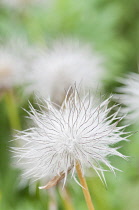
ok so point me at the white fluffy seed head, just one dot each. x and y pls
(78, 131)
(11, 69)
(15, 59)
(128, 95)
(66, 62)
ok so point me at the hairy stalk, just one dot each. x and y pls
(12, 110)
(84, 187)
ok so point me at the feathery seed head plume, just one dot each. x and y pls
(15, 59)
(66, 62)
(79, 131)
(11, 69)
(128, 95)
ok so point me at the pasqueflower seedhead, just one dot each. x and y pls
(79, 131)
(11, 69)
(15, 59)
(66, 62)
(128, 95)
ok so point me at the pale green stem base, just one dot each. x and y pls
(67, 203)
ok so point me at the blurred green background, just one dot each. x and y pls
(112, 28)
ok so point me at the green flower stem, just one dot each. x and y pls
(12, 110)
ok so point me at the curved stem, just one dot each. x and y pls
(84, 187)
